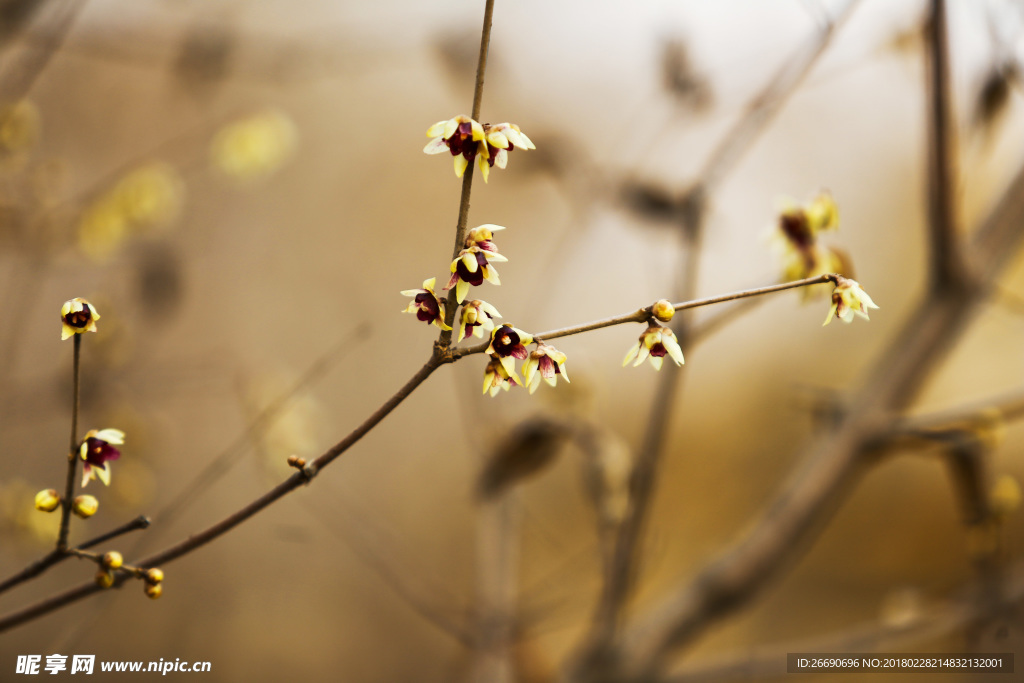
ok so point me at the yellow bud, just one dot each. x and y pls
(154, 590)
(663, 310)
(104, 579)
(47, 500)
(85, 506)
(154, 576)
(112, 560)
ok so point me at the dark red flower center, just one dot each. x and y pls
(658, 350)
(794, 226)
(476, 278)
(79, 318)
(461, 142)
(98, 452)
(428, 308)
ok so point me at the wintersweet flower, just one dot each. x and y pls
(501, 139)
(848, 299)
(797, 239)
(96, 450)
(482, 236)
(656, 342)
(507, 344)
(77, 316)
(545, 363)
(496, 377)
(472, 267)
(462, 137)
(477, 317)
(426, 305)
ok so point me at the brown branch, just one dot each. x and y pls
(946, 267)
(69, 481)
(56, 556)
(931, 624)
(832, 463)
(200, 539)
(643, 314)
(445, 337)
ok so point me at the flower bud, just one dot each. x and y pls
(85, 506)
(663, 310)
(296, 462)
(154, 590)
(154, 576)
(112, 560)
(104, 579)
(47, 500)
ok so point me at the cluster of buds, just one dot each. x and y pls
(112, 561)
(466, 140)
(796, 237)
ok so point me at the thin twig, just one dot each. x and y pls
(69, 483)
(643, 314)
(445, 337)
(56, 556)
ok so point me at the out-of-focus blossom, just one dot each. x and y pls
(254, 147)
(472, 267)
(19, 126)
(477, 317)
(545, 363)
(147, 197)
(796, 238)
(463, 138)
(97, 449)
(497, 377)
(848, 299)
(426, 305)
(655, 343)
(77, 316)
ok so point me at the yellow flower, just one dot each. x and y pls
(497, 377)
(472, 267)
(507, 344)
(501, 139)
(545, 363)
(796, 238)
(477, 317)
(462, 137)
(655, 343)
(96, 449)
(77, 316)
(426, 305)
(848, 299)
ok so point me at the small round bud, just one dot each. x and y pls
(154, 590)
(296, 462)
(85, 506)
(112, 559)
(154, 576)
(663, 310)
(104, 579)
(47, 500)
